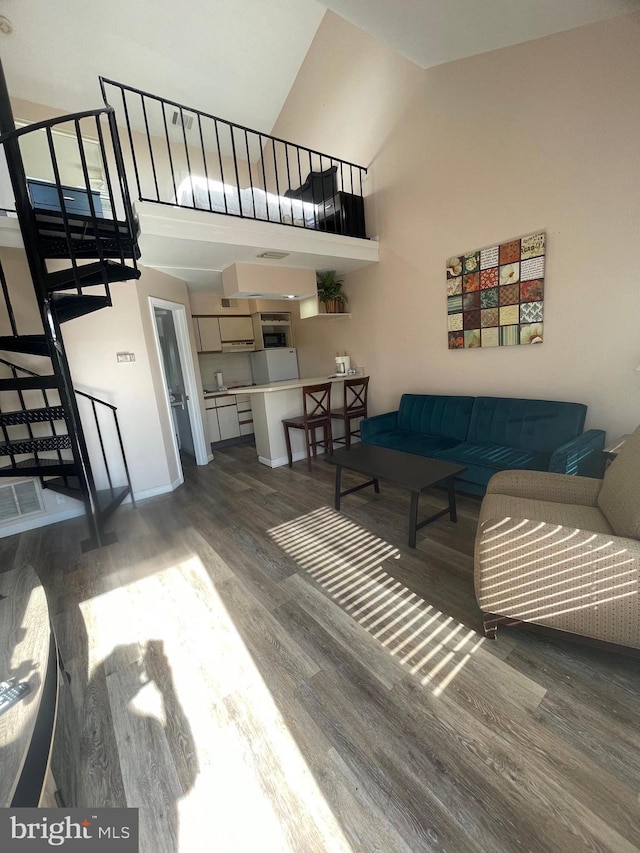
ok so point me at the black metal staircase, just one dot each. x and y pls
(97, 233)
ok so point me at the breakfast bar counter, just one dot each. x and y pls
(274, 402)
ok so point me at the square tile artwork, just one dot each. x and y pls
(495, 296)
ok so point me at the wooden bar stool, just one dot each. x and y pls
(355, 406)
(316, 407)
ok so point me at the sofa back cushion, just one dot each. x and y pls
(619, 497)
(539, 425)
(435, 415)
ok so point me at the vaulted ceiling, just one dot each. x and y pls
(239, 58)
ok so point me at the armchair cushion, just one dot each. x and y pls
(569, 516)
(573, 580)
(542, 486)
(619, 498)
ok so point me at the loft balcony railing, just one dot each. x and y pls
(187, 158)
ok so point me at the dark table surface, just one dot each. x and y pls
(404, 469)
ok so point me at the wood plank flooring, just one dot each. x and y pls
(255, 671)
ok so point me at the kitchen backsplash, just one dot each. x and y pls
(235, 368)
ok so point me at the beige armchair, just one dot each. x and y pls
(563, 552)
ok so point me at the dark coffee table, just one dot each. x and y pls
(406, 470)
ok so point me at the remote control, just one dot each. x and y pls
(12, 695)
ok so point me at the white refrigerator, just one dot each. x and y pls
(274, 365)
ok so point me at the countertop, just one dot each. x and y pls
(224, 392)
(291, 384)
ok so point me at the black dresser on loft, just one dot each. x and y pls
(343, 213)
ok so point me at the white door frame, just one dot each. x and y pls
(181, 324)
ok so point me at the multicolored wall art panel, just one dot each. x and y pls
(495, 296)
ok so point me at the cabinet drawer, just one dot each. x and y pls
(246, 428)
(221, 402)
(76, 200)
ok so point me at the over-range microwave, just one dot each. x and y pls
(238, 346)
(274, 339)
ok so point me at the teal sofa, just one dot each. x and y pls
(490, 434)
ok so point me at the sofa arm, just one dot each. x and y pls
(582, 455)
(545, 486)
(572, 580)
(370, 427)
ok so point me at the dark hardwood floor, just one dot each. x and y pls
(255, 671)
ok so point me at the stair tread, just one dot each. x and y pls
(99, 272)
(29, 382)
(31, 344)
(36, 414)
(31, 468)
(15, 442)
(71, 305)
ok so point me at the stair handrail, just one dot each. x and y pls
(94, 400)
(50, 122)
(114, 411)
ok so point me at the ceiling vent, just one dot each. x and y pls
(18, 499)
(182, 119)
(229, 303)
(274, 256)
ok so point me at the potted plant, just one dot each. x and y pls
(330, 292)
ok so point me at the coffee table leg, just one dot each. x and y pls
(337, 492)
(451, 488)
(413, 518)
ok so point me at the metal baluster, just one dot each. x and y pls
(112, 200)
(124, 458)
(104, 455)
(186, 153)
(92, 208)
(253, 198)
(224, 192)
(63, 209)
(166, 133)
(151, 157)
(235, 164)
(204, 162)
(131, 145)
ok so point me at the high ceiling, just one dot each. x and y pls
(238, 58)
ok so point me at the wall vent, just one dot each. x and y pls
(229, 303)
(19, 499)
(182, 119)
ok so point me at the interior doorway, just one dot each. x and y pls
(176, 361)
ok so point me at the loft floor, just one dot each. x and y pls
(252, 668)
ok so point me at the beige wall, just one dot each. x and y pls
(92, 343)
(162, 286)
(539, 136)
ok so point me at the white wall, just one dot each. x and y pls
(538, 136)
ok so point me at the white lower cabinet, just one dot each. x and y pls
(228, 422)
(212, 421)
(229, 417)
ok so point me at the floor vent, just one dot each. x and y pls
(19, 499)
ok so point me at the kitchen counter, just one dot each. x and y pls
(274, 402)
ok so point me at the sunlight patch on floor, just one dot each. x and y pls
(347, 562)
(181, 677)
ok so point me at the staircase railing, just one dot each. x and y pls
(46, 404)
(80, 206)
(184, 157)
(114, 411)
(95, 401)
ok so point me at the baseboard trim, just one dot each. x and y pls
(40, 521)
(158, 490)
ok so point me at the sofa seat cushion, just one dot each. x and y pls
(495, 457)
(413, 442)
(575, 516)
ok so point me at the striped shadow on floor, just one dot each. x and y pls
(347, 563)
